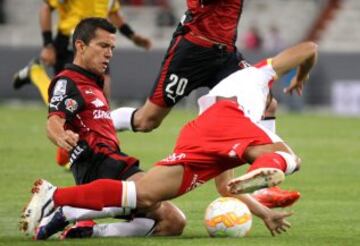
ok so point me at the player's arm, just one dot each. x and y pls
(47, 54)
(303, 57)
(117, 20)
(65, 103)
(275, 221)
(56, 132)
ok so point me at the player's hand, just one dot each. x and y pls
(48, 55)
(68, 140)
(141, 41)
(296, 85)
(276, 222)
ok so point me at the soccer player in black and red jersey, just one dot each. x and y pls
(79, 121)
(201, 53)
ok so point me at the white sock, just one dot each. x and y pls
(121, 118)
(74, 214)
(290, 162)
(269, 124)
(128, 198)
(133, 228)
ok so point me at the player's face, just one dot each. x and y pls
(98, 52)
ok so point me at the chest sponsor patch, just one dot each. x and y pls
(71, 105)
(101, 114)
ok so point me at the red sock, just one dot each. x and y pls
(95, 195)
(62, 156)
(269, 160)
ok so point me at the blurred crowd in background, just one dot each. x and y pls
(266, 27)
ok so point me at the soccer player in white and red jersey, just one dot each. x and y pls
(201, 54)
(225, 135)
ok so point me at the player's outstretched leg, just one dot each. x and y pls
(255, 180)
(41, 204)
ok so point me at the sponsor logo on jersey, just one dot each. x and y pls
(71, 105)
(89, 92)
(232, 153)
(101, 114)
(55, 99)
(54, 105)
(60, 87)
(98, 103)
(195, 183)
(174, 157)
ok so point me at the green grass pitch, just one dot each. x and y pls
(327, 214)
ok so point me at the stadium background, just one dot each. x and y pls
(327, 214)
(333, 24)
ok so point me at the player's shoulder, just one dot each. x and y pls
(62, 85)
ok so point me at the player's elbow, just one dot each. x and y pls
(311, 47)
(148, 125)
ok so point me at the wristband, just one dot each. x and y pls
(47, 38)
(126, 30)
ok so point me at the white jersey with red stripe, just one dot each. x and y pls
(250, 86)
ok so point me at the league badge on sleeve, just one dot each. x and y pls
(60, 87)
(71, 105)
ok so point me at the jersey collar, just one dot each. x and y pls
(98, 79)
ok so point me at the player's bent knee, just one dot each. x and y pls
(173, 223)
(292, 162)
(175, 227)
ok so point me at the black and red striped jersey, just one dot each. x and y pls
(77, 95)
(216, 20)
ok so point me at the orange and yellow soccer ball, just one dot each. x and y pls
(227, 217)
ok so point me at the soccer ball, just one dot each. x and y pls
(227, 217)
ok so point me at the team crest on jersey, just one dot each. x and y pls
(71, 105)
(60, 87)
(98, 103)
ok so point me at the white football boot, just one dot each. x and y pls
(41, 204)
(255, 180)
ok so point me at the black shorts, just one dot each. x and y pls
(188, 66)
(64, 54)
(118, 166)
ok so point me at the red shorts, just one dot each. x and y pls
(213, 143)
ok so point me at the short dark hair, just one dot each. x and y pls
(85, 30)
